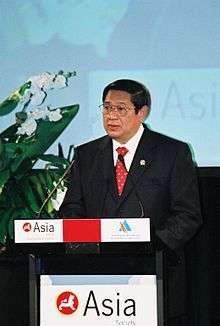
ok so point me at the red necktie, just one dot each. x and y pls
(120, 169)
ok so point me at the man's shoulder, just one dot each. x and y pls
(93, 144)
(161, 139)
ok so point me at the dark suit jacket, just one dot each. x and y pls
(164, 188)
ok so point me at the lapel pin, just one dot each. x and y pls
(142, 162)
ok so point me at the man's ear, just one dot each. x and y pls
(144, 111)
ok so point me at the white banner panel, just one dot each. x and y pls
(37, 231)
(132, 304)
(125, 230)
(82, 230)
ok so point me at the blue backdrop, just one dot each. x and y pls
(172, 46)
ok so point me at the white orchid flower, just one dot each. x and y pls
(59, 82)
(34, 96)
(38, 114)
(37, 97)
(54, 115)
(43, 81)
(40, 84)
(28, 127)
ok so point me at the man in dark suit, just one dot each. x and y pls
(157, 179)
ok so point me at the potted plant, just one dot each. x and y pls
(26, 192)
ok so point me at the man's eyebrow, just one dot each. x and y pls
(119, 102)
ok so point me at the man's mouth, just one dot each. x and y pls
(113, 127)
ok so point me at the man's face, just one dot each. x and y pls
(122, 128)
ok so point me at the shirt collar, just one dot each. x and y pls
(133, 141)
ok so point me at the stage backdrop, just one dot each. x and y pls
(171, 46)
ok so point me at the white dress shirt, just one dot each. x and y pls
(131, 145)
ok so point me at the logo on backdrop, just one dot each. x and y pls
(125, 227)
(67, 303)
(27, 227)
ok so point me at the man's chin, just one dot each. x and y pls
(114, 135)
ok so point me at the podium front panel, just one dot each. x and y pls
(110, 300)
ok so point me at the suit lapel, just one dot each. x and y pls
(108, 169)
(103, 170)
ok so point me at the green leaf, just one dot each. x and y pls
(10, 133)
(31, 199)
(8, 105)
(40, 175)
(49, 180)
(4, 218)
(4, 176)
(3, 156)
(60, 150)
(70, 153)
(55, 160)
(49, 207)
(13, 100)
(17, 160)
(38, 188)
(21, 167)
(21, 116)
(46, 133)
(1, 147)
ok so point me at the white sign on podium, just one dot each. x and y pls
(110, 300)
(82, 230)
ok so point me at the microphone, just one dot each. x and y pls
(106, 193)
(138, 197)
(134, 247)
(39, 213)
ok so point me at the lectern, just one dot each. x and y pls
(92, 271)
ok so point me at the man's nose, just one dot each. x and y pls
(113, 114)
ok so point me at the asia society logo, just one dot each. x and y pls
(95, 305)
(27, 227)
(125, 227)
(67, 303)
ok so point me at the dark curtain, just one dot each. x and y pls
(203, 258)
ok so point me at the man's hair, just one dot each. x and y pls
(140, 95)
